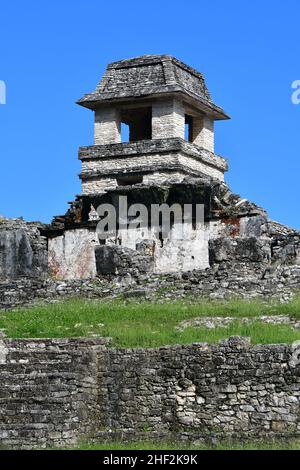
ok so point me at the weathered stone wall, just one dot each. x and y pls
(240, 267)
(182, 249)
(118, 260)
(47, 391)
(163, 176)
(72, 255)
(203, 167)
(160, 176)
(103, 163)
(56, 392)
(167, 119)
(107, 129)
(95, 170)
(226, 390)
(96, 185)
(23, 251)
(203, 133)
(237, 250)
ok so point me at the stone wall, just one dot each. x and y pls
(47, 391)
(101, 163)
(203, 133)
(226, 278)
(23, 251)
(56, 392)
(182, 249)
(167, 119)
(107, 129)
(72, 255)
(200, 391)
(118, 260)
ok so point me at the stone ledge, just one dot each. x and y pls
(153, 146)
(92, 100)
(140, 170)
(37, 343)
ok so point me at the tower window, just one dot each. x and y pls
(188, 129)
(139, 123)
(124, 132)
(129, 180)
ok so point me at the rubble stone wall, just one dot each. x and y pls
(96, 185)
(47, 391)
(240, 267)
(201, 391)
(56, 392)
(23, 251)
(111, 259)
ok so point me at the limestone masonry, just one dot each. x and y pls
(59, 391)
(170, 117)
(166, 158)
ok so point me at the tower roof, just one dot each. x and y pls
(152, 76)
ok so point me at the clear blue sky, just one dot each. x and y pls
(51, 53)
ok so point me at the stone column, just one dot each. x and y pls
(168, 119)
(107, 126)
(203, 132)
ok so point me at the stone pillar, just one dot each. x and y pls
(203, 132)
(107, 126)
(168, 119)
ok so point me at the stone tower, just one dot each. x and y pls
(166, 158)
(170, 116)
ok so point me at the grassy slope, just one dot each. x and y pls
(133, 324)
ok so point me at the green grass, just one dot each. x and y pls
(147, 324)
(270, 445)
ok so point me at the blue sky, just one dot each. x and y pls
(51, 53)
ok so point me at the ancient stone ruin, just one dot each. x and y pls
(58, 391)
(167, 158)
